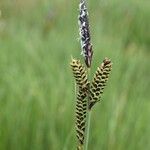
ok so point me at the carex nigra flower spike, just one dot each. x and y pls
(84, 31)
(85, 90)
(80, 76)
(88, 92)
(99, 81)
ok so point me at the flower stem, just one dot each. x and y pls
(88, 118)
(87, 129)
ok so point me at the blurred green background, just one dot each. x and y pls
(37, 105)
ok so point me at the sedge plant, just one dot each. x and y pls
(88, 92)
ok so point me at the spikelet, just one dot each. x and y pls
(80, 75)
(80, 147)
(99, 81)
(81, 108)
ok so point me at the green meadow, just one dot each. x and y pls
(37, 101)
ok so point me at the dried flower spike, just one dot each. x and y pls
(99, 81)
(84, 31)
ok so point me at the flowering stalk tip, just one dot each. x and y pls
(84, 32)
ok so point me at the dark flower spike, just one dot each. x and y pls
(84, 31)
(99, 81)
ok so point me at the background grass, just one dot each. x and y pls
(37, 39)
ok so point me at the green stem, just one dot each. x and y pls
(87, 129)
(88, 119)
